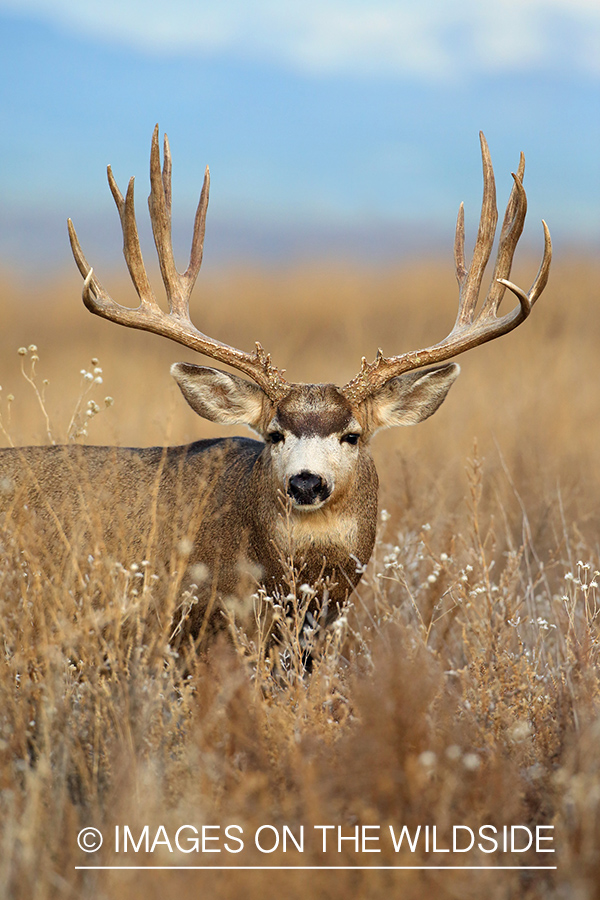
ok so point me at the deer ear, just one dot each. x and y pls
(412, 397)
(219, 396)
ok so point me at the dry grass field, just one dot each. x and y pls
(461, 688)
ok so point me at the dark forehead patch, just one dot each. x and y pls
(314, 409)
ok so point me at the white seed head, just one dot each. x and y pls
(453, 752)
(185, 546)
(427, 759)
(520, 731)
(471, 761)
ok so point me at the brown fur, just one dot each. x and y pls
(219, 510)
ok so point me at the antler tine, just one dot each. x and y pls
(191, 273)
(166, 173)
(131, 241)
(197, 250)
(470, 280)
(86, 271)
(471, 329)
(176, 324)
(95, 297)
(178, 286)
(160, 216)
(512, 229)
(541, 279)
(459, 247)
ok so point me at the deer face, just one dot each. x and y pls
(314, 439)
(314, 436)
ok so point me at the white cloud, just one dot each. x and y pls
(429, 38)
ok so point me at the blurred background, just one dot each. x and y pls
(333, 128)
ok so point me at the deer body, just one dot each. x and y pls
(216, 507)
(231, 511)
(234, 512)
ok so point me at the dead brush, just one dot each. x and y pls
(293, 650)
(85, 408)
(98, 724)
(463, 689)
(87, 676)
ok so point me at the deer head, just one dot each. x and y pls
(314, 434)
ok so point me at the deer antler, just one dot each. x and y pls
(176, 324)
(471, 329)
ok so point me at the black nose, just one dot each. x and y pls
(307, 488)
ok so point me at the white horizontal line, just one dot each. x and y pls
(315, 868)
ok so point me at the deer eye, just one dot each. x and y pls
(351, 438)
(276, 437)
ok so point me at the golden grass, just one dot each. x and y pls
(461, 688)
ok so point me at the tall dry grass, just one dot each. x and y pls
(461, 686)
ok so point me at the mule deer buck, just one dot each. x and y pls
(308, 488)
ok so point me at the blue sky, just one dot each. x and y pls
(330, 126)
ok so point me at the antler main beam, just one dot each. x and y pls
(149, 316)
(471, 328)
